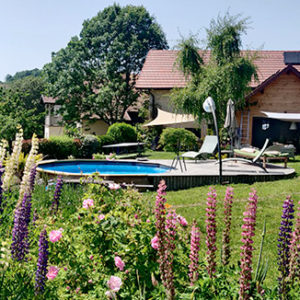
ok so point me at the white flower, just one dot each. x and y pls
(12, 164)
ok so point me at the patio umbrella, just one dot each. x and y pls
(230, 121)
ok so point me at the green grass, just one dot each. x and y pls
(150, 154)
(191, 204)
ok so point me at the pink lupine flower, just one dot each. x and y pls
(227, 222)
(182, 221)
(171, 222)
(114, 186)
(154, 243)
(194, 255)
(101, 217)
(165, 232)
(52, 272)
(114, 283)
(247, 248)
(119, 263)
(88, 203)
(55, 235)
(211, 231)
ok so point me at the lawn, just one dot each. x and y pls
(191, 203)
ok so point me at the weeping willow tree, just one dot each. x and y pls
(226, 75)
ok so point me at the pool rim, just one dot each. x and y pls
(43, 162)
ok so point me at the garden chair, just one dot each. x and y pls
(208, 147)
(256, 156)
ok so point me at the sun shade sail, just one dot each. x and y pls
(167, 118)
(290, 117)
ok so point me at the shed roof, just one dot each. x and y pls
(159, 70)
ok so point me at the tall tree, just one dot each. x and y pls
(226, 75)
(20, 103)
(96, 72)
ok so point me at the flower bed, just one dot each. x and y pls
(103, 241)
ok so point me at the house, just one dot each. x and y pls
(93, 125)
(277, 91)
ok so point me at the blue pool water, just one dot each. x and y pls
(104, 167)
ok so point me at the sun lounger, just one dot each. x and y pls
(208, 147)
(256, 156)
(265, 156)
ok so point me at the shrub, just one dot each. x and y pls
(173, 138)
(59, 147)
(105, 140)
(90, 144)
(99, 156)
(122, 133)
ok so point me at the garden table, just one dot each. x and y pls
(124, 146)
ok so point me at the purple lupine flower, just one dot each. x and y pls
(32, 178)
(211, 231)
(42, 263)
(34, 217)
(227, 224)
(171, 221)
(19, 246)
(284, 241)
(1, 190)
(194, 255)
(57, 193)
(295, 250)
(247, 248)
(160, 215)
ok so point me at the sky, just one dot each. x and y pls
(32, 29)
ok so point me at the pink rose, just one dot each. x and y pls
(88, 203)
(101, 217)
(91, 257)
(154, 243)
(119, 263)
(148, 220)
(55, 235)
(114, 186)
(114, 283)
(182, 220)
(52, 272)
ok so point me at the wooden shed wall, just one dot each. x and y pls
(282, 95)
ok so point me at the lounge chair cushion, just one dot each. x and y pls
(191, 154)
(253, 154)
(249, 150)
(240, 152)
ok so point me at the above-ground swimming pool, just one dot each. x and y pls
(82, 167)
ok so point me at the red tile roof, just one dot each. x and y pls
(47, 99)
(159, 71)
